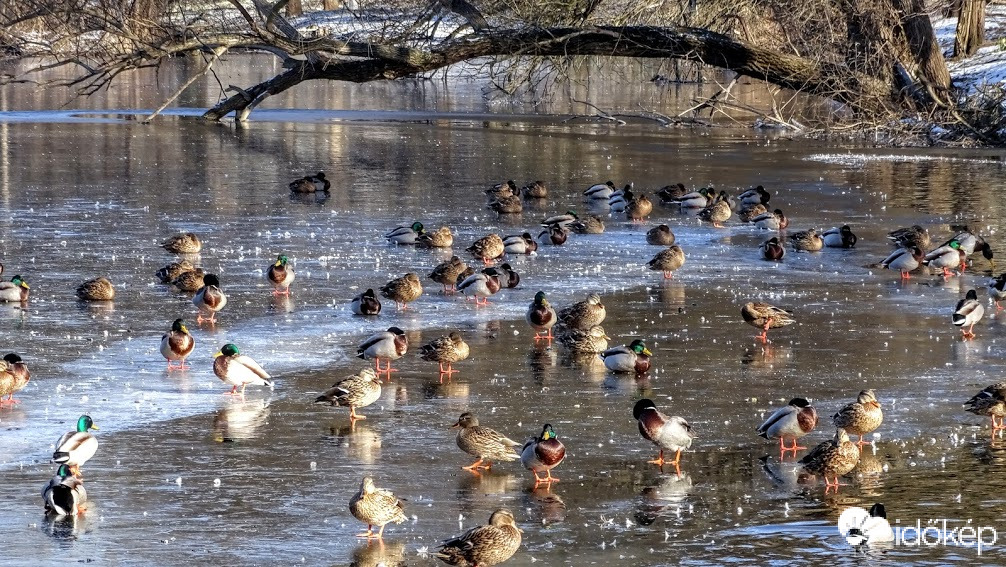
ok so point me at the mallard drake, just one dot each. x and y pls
(997, 290)
(639, 208)
(904, 260)
(486, 545)
(185, 243)
(946, 257)
(590, 224)
(914, 235)
(699, 199)
(357, 391)
(794, 421)
(584, 314)
(311, 183)
(16, 290)
(967, 312)
(748, 213)
(237, 369)
(389, 345)
(632, 358)
(591, 341)
(487, 248)
(970, 242)
(406, 235)
(439, 238)
(535, 190)
(14, 376)
(599, 192)
(542, 454)
(464, 275)
(667, 261)
(450, 349)
(519, 244)
(776, 220)
(563, 220)
(861, 416)
(839, 237)
(191, 280)
(765, 316)
(504, 189)
(672, 192)
(177, 344)
(807, 240)
(76, 447)
(403, 290)
(660, 235)
(718, 212)
(618, 202)
(772, 250)
(509, 278)
(281, 275)
(508, 204)
(366, 303)
(835, 457)
(991, 402)
(98, 289)
(541, 317)
(446, 273)
(554, 235)
(668, 433)
(209, 299)
(168, 273)
(375, 507)
(860, 527)
(484, 443)
(481, 285)
(755, 196)
(65, 494)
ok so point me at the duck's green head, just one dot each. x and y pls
(547, 432)
(539, 299)
(64, 471)
(16, 280)
(281, 261)
(179, 326)
(955, 244)
(229, 349)
(572, 214)
(84, 423)
(639, 347)
(418, 227)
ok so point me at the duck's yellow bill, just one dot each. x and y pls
(218, 353)
(93, 426)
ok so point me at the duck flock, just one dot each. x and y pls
(576, 328)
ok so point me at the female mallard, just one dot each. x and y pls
(667, 261)
(355, 392)
(209, 299)
(791, 422)
(772, 250)
(997, 290)
(541, 317)
(65, 494)
(509, 278)
(717, 213)
(75, 448)
(699, 199)
(508, 204)
(835, 458)
(660, 235)
(98, 289)
(177, 344)
(388, 345)
(439, 238)
(776, 220)
(554, 235)
(535, 190)
(672, 192)
(968, 312)
(168, 273)
(311, 183)
(765, 316)
(591, 341)
(590, 224)
(755, 196)
(481, 285)
(483, 546)
(584, 314)
(16, 290)
(904, 260)
(375, 507)
(403, 290)
(632, 358)
(840, 237)
(487, 248)
(504, 189)
(281, 275)
(914, 235)
(237, 369)
(970, 242)
(187, 243)
(861, 416)
(542, 454)
(405, 234)
(748, 213)
(446, 273)
(450, 349)
(668, 433)
(946, 257)
(191, 280)
(484, 443)
(807, 240)
(991, 402)
(14, 376)
(519, 244)
(639, 208)
(600, 191)
(563, 220)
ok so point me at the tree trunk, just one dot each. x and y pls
(294, 9)
(331, 4)
(970, 27)
(930, 68)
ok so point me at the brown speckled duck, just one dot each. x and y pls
(446, 273)
(667, 261)
(168, 273)
(483, 546)
(403, 290)
(991, 402)
(486, 444)
(660, 235)
(439, 238)
(191, 280)
(357, 391)
(450, 349)
(186, 243)
(861, 416)
(584, 314)
(14, 376)
(375, 507)
(98, 289)
(835, 458)
(487, 248)
(807, 240)
(765, 316)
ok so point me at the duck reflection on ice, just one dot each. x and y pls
(666, 495)
(379, 553)
(239, 420)
(360, 441)
(545, 506)
(66, 528)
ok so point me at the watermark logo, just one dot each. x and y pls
(861, 527)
